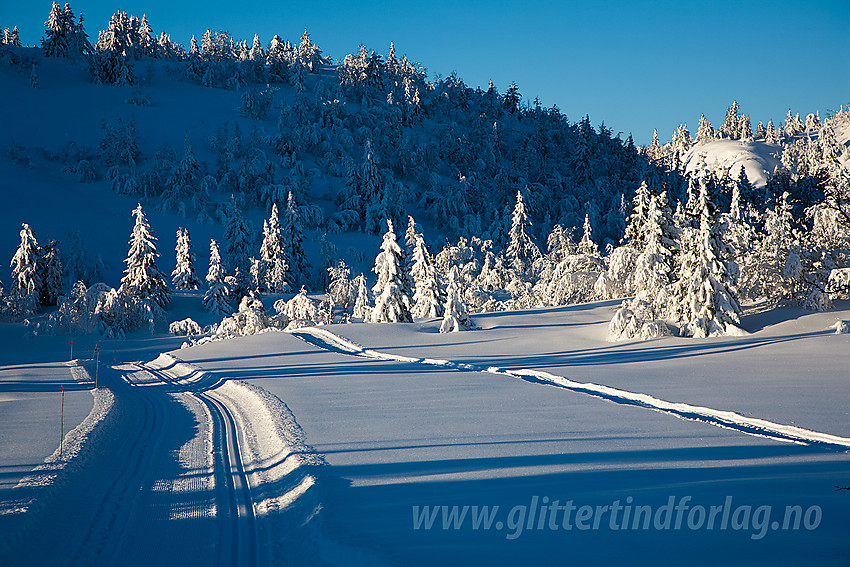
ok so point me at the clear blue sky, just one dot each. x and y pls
(635, 64)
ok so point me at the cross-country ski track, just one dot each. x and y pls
(327, 340)
(167, 469)
(200, 461)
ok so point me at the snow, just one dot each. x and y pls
(315, 445)
(413, 418)
(343, 429)
(758, 158)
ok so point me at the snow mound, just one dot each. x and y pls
(841, 327)
(759, 159)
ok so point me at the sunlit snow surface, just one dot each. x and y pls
(403, 434)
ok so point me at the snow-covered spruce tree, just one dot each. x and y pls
(392, 305)
(273, 265)
(521, 252)
(586, 245)
(371, 188)
(362, 309)
(293, 241)
(705, 131)
(731, 125)
(410, 237)
(109, 67)
(59, 37)
(559, 244)
(216, 299)
(183, 277)
(704, 297)
(142, 278)
(428, 297)
(771, 266)
(309, 54)
(642, 316)
(50, 271)
(26, 288)
(340, 289)
(637, 220)
(238, 245)
(455, 317)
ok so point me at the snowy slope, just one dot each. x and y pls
(77, 111)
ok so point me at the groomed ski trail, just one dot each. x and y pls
(238, 539)
(324, 339)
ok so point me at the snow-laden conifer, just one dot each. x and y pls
(586, 245)
(142, 278)
(705, 297)
(51, 273)
(24, 294)
(362, 309)
(559, 244)
(521, 252)
(273, 264)
(643, 316)
(293, 239)
(183, 277)
(216, 299)
(341, 291)
(238, 247)
(455, 317)
(392, 305)
(428, 297)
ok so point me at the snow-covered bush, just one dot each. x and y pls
(185, 328)
(636, 319)
(300, 309)
(250, 319)
(102, 309)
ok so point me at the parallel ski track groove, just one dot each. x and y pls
(233, 489)
(118, 502)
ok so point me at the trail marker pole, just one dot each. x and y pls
(96, 364)
(62, 423)
(72, 350)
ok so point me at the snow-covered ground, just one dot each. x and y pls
(326, 445)
(402, 435)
